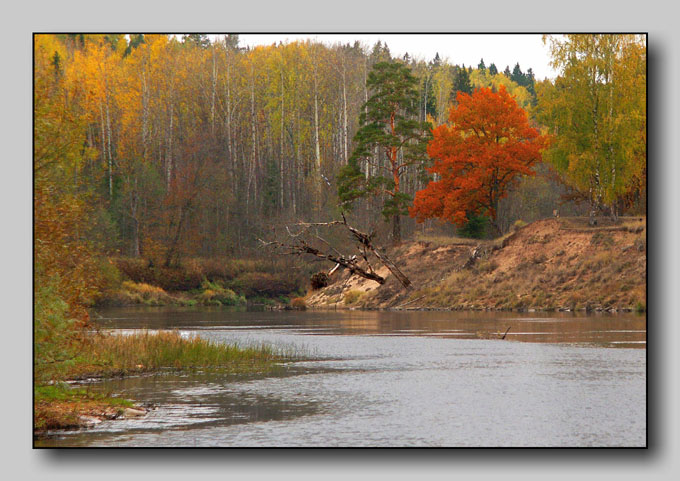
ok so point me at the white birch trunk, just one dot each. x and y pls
(281, 177)
(345, 133)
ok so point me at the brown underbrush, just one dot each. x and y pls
(185, 284)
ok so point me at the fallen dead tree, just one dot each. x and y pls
(300, 243)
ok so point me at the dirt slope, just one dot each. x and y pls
(549, 264)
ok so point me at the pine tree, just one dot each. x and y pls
(200, 40)
(389, 123)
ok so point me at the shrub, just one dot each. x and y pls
(519, 223)
(475, 227)
(252, 284)
(216, 295)
(539, 259)
(319, 280)
(351, 297)
(487, 266)
(298, 303)
(56, 338)
(600, 238)
(250, 277)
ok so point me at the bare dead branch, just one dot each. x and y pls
(300, 246)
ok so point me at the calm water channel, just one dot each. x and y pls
(393, 379)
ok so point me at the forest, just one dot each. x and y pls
(183, 147)
(156, 150)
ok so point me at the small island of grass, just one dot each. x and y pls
(99, 355)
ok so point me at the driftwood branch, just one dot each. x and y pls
(349, 263)
(409, 302)
(300, 246)
(330, 273)
(365, 240)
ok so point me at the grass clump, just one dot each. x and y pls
(602, 239)
(519, 223)
(352, 297)
(133, 293)
(213, 294)
(143, 293)
(146, 351)
(298, 303)
(59, 406)
(63, 350)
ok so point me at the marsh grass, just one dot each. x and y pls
(110, 355)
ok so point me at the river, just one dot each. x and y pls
(392, 379)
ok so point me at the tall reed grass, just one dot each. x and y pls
(110, 354)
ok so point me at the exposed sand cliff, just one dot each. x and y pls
(549, 264)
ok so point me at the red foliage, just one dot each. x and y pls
(488, 143)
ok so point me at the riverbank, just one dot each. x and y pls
(203, 282)
(57, 405)
(552, 264)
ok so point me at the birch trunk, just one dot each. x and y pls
(214, 86)
(145, 117)
(281, 178)
(317, 149)
(345, 133)
(168, 154)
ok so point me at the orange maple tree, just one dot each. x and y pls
(486, 145)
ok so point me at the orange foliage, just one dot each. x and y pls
(488, 143)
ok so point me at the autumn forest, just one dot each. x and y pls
(164, 163)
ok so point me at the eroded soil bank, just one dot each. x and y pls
(551, 264)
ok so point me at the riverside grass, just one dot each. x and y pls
(144, 351)
(59, 406)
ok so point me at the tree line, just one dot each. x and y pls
(186, 146)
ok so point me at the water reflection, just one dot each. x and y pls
(622, 330)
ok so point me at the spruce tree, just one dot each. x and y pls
(517, 75)
(461, 83)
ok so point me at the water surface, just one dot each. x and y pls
(392, 379)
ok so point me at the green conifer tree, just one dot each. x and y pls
(389, 124)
